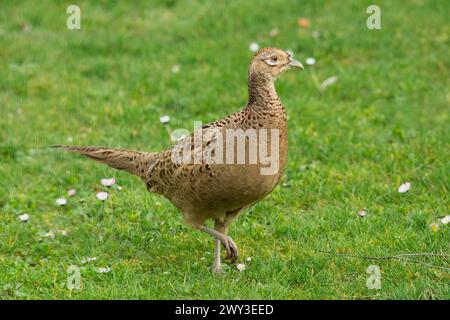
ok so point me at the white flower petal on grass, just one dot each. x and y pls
(88, 259)
(102, 196)
(248, 259)
(119, 188)
(164, 119)
(61, 201)
(240, 267)
(108, 182)
(310, 61)
(404, 187)
(445, 219)
(103, 270)
(328, 82)
(24, 217)
(71, 192)
(253, 47)
(434, 227)
(362, 213)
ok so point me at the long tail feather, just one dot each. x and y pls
(134, 162)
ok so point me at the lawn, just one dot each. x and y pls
(384, 122)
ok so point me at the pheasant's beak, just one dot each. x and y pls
(295, 64)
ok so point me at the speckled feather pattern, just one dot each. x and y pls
(208, 190)
(203, 191)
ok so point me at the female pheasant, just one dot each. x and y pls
(223, 167)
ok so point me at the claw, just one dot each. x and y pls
(235, 255)
(227, 242)
(232, 250)
(227, 248)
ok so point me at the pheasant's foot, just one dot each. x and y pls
(232, 251)
(216, 268)
(227, 242)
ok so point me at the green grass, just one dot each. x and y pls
(384, 122)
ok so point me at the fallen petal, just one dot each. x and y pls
(24, 217)
(164, 119)
(328, 82)
(434, 227)
(88, 259)
(71, 192)
(61, 201)
(240, 267)
(445, 219)
(404, 187)
(362, 213)
(253, 47)
(103, 270)
(310, 61)
(102, 196)
(108, 182)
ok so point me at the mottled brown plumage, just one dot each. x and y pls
(212, 189)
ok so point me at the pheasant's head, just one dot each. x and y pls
(272, 62)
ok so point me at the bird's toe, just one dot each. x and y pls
(228, 249)
(232, 251)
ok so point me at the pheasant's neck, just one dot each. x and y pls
(263, 98)
(261, 90)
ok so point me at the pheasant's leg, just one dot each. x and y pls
(222, 228)
(216, 267)
(228, 243)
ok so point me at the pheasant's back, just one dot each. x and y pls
(226, 165)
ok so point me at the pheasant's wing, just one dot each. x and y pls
(182, 166)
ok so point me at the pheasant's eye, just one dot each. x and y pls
(272, 61)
